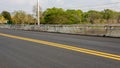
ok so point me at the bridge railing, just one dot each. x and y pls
(86, 29)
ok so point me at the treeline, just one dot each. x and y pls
(61, 16)
(17, 17)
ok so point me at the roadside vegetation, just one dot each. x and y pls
(61, 16)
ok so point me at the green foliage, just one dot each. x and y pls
(117, 17)
(92, 15)
(61, 16)
(55, 16)
(9, 22)
(108, 14)
(2, 19)
(75, 16)
(6, 15)
(21, 17)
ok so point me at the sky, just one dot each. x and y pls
(85, 5)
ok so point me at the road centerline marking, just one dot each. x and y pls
(68, 47)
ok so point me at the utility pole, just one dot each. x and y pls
(38, 13)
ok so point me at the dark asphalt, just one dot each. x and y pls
(16, 53)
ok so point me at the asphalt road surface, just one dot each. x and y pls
(28, 49)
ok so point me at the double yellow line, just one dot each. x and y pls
(73, 48)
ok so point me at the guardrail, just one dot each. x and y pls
(112, 30)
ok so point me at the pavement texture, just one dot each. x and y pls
(16, 53)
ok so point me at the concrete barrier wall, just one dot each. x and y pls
(112, 30)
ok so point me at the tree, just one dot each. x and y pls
(55, 16)
(93, 16)
(19, 17)
(7, 16)
(117, 17)
(74, 16)
(2, 19)
(60, 16)
(108, 15)
(29, 19)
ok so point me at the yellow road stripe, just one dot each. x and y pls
(73, 48)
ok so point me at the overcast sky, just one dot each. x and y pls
(27, 5)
